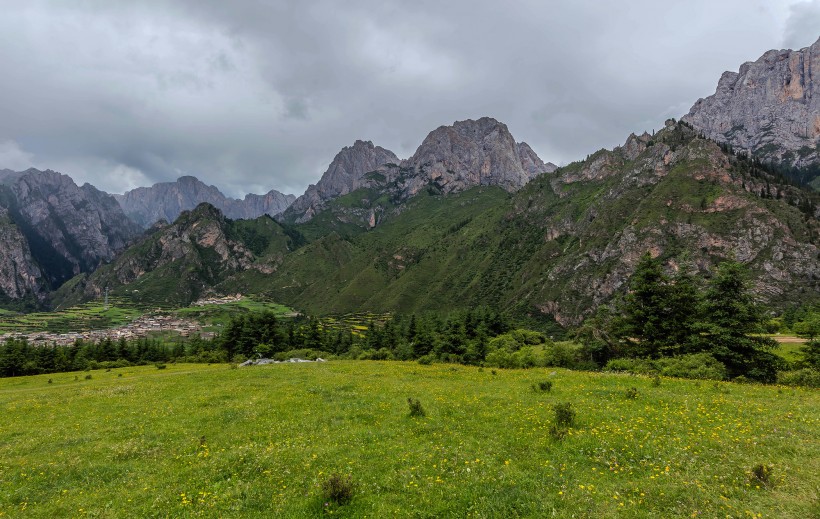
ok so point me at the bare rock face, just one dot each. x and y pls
(253, 206)
(473, 153)
(770, 106)
(68, 229)
(346, 173)
(167, 200)
(453, 158)
(19, 274)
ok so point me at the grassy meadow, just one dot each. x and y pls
(211, 441)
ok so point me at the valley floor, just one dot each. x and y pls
(211, 441)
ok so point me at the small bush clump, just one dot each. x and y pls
(806, 377)
(656, 381)
(160, 365)
(50, 381)
(338, 489)
(416, 408)
(426, 360)
(632, 393)
(564, 415)
(88, 377)
(543, 386)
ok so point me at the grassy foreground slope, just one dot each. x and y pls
(209, 441)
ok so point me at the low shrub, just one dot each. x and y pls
(338, 489)
(806, 377)
(564, 414)
(544, 386)
(701, 366)
(636, 366)
(426, 360)
(416, 409)
(632, 393)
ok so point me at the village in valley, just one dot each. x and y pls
(157, 322)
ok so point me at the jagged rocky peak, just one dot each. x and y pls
(472, 153)
(347, 172)
(67, 229)
(770, 106)
(167, 200)
(460, 156)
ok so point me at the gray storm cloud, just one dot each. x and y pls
(254, 95)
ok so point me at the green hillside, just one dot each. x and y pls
(563, 244)
(209, 441)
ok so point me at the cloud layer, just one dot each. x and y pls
(255, 95)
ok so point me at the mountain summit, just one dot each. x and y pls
(770, 107)
(473, 153)
(453, 158)
(345, 174)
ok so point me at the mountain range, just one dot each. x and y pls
(472, 218)
(167, 200)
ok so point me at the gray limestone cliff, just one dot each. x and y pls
(770, 106)
(68, 229)
(19, 274)
(472, 153)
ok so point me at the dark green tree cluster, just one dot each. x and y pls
(666, 316)
(461, 337)
(18, 357)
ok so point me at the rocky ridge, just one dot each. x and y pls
(178, 263)
(167, 200)
(67, 228)
(346, 173)
(452, 158)
(770, 107)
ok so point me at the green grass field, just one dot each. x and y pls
(214, 315)
(210, 441)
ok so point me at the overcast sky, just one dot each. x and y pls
(254, 95)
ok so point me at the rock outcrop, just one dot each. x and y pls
(68, 229)
(770, 107)
(167, 200)
(20, 277)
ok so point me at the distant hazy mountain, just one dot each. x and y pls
(770, 106)
(453, 158)
(167, 200)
